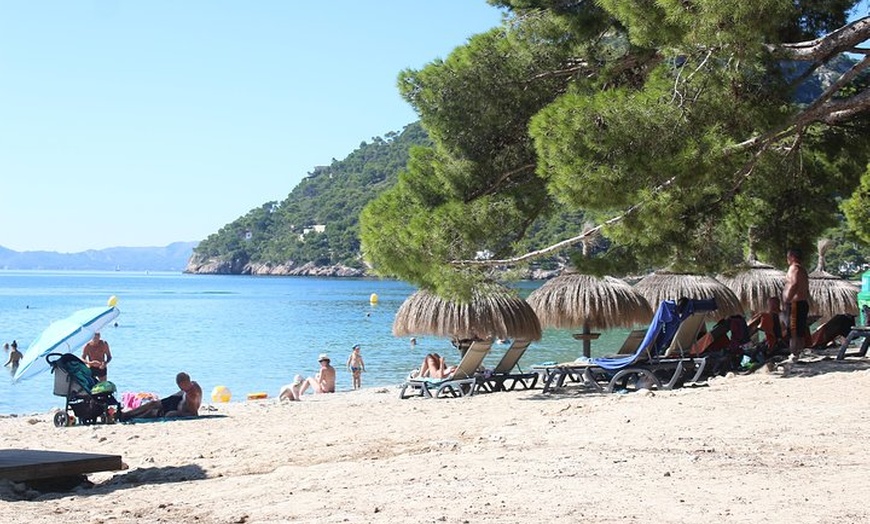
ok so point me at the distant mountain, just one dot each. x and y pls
(173, 257)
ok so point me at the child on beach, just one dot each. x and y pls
(291, 391)
(356, 366)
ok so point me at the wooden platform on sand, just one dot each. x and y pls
(34, 464)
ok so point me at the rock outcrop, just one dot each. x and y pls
(207, 266)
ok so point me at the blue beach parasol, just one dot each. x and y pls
(65, 336)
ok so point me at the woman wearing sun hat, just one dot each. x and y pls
(323, 381)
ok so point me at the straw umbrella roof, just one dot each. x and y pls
(664, 285)
(754, 283)
(830, 294)
(574, 300)
(494, 311)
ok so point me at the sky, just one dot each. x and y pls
(145, 123)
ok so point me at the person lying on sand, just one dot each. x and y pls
(185, 403)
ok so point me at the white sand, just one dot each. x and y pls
(759, 448)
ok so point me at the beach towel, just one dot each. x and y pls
(132, 400)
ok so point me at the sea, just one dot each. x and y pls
(249, 334)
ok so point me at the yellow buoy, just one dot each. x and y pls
(113, 301)
(374, 298)
(221, 394)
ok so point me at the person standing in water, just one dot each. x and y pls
(356, 366)
(97, 356)
(14, 358)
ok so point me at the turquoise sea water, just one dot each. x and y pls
(249, 334)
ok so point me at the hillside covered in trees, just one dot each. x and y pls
(316, 226)
(315, 230)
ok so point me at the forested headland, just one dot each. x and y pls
(618, 137)
(315, 230)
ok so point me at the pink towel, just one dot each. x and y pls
(131, 400)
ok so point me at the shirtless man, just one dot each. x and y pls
(185, 403)
(323, 381)
(97, 356)
(795, 296)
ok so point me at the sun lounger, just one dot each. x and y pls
(462, 382)
(503, 377)
(670, 331)
(632, 342)
(629, 346)
(854, 334)
(687, 366)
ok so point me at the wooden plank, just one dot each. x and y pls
(32, 464)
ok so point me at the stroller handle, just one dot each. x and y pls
(51, 358)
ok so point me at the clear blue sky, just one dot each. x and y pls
(143, 123)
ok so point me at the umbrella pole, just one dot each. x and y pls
(587, 337)
(587, 342)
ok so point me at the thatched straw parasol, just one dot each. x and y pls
(754, 283)
(573, 300)
(664, 285)
(494, 311)
(830, 294)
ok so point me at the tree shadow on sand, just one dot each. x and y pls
(810, 366)
(817, 363)
(53, 488)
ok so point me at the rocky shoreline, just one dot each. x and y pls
(198, 266)
(236, 267)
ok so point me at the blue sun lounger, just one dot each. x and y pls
(647, 366)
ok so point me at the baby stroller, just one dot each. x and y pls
(87, 401)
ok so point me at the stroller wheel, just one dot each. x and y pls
(61, 419)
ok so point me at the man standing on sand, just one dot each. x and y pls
(97, 356)
(795, 296)
(323, 381)
(185, 403)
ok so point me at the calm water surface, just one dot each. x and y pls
(249, 334)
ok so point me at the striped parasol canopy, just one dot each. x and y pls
(829, 294)
(665, 285)
(494, 311)
(574, 300)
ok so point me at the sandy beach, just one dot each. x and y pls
(768, 447)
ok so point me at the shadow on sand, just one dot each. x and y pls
(54, 488)
(822, 364)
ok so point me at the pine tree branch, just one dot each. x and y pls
(559, 245)
(823, 109)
